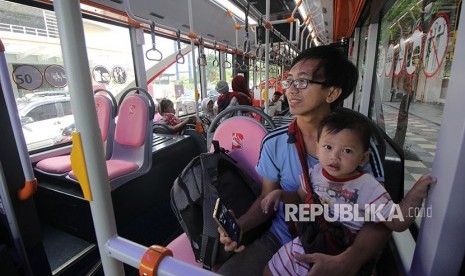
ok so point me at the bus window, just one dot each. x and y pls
(361, 65)
(415, 53)
(175, 82)
(212, 72)
(39, 81)
(229, 70)
(111, 64)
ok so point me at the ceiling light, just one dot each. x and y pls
(226, 4)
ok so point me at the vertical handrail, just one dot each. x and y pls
(73, 46)
(192, 37)
(267, 57)
(12, 222)
(30, 182)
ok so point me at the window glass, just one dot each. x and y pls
(361, 65)
(415, 53)
(229, 65)
(43, 112)
(66, 108)
(175, 81)
(39, 80)
(111, 64)
(212, 70)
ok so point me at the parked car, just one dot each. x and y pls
(44, 116)
(65, 135)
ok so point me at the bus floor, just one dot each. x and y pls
(70, 255)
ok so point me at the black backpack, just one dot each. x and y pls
(193, 197)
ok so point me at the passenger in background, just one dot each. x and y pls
(157, 117)
(239, 84)
(274, 106)
(166, 109)
(226, 98)
(208, 110)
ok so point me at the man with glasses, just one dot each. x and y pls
(319, 80)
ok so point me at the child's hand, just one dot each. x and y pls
(273, 198)
(419, 191)
(421, 187)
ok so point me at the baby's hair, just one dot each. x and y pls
(164, 104)
(338, 121)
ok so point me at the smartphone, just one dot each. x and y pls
(226, 221)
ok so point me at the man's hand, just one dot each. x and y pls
(229, 245)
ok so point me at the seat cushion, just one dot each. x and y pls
(55, 165)
(116, 168)
(182, 250)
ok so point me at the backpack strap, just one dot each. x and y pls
(216, 146)
(325, 227)
(299, 142)
(210, 235)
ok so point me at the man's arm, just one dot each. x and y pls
(253, 217)
(368, 242)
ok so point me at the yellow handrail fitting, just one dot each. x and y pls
(78, 165)
(196, 95)
(264, 94)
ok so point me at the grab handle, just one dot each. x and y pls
(154, 48)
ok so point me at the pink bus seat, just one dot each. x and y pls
(106, 108)
(57, 165)
(182, 250)
(242, 136)
(132, 146)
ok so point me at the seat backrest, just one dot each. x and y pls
(133, 133)
(132, 130)
(242, 136)
(161, 128)
(106, 107)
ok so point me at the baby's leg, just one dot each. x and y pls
(283, 262)
(267, 271)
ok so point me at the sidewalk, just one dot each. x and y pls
(427, 111)
(421, 137)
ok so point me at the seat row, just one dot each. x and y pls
(126, 132)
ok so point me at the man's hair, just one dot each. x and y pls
(277, 93)
(163, 107)
(334, 68)
(338, 121)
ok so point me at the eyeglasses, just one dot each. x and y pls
(299, 83)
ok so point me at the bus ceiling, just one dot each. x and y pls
(314, 18)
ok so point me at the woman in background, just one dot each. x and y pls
(239, 85)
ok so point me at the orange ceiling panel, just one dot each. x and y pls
(346, 14)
